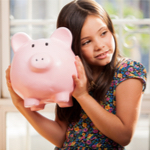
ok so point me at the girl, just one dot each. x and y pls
(108, 88)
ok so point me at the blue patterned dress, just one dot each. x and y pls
(83, 135)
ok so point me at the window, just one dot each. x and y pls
(21, 135)
(38, 18)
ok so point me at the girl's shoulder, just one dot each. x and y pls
(129, 68)
(127, 63)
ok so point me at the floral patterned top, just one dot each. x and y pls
(83, 135)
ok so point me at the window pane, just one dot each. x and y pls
(15, 131)
(18, 9)
(22, 136)
(37, 142)
(140, 139)
(135, 42)
(127, 8)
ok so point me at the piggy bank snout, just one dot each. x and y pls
(40, 62)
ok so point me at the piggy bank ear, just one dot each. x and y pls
(63, 34)
(18, 40)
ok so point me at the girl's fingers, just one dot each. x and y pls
(9, 85)
(80, 80)
(8, 73)
(80, 68)
(76, 80)
(14, 96)
(8, 78)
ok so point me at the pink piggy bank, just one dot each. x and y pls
(41, 70)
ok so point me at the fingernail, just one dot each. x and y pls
(77, 57)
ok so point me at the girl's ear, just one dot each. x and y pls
(18, 40)
(63, 34)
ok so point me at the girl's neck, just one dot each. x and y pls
(96, 71)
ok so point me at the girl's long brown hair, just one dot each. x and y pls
(72, 16)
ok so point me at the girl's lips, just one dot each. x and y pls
(102, 55)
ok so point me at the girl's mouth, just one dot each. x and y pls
(102, 55)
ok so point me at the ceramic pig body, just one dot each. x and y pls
(41, 70)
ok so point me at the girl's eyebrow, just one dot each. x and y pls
(97, 31)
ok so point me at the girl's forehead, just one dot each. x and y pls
(92, 24)
(92, 21)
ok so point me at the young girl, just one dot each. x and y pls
(108, 88)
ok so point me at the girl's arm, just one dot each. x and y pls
(119, 127)
(53, 131)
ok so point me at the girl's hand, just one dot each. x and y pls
(15, 98)
(80, 80)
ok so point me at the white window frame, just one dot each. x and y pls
(5, 44)
(5, 101)
(4, 62)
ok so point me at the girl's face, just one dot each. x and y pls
(97, 42)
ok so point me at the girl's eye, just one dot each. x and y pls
(85, 43)
(104, 33)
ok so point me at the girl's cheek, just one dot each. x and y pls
(112, 43)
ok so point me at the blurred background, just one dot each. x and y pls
(37, 18)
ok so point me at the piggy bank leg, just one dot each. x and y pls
(38, 107)
(65, 104)
(64, 99)
(46, 101)
(28, 102)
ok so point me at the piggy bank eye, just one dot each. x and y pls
(33, 45)
(46, 44)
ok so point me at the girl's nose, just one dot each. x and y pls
(99, 44)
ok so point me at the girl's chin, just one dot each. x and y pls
(101, 63)
(105, 62)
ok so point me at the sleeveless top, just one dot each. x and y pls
(83, 135)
